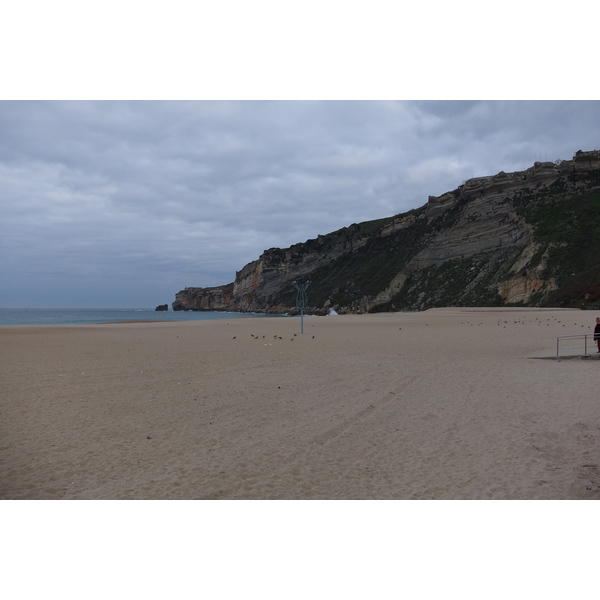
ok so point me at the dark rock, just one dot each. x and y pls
(162, 307)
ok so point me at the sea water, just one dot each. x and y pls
(83, 316)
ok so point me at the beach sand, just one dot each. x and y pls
(449, 403)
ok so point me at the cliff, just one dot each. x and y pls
(523, 238)
(212, 298)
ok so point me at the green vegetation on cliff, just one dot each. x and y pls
(565, 217)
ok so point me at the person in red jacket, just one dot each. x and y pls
(597, 332)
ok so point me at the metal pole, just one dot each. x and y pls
(301, 301)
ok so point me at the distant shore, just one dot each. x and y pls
(449, 403)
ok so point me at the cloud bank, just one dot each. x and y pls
(110, 204)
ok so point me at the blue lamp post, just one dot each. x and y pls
(301, 301)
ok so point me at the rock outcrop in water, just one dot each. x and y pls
(525, 238)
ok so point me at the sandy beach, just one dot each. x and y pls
(450, 403)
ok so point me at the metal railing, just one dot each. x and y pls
(585, 337)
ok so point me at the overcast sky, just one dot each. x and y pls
(125, 203)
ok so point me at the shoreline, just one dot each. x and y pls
(88, 316)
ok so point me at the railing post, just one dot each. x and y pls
(571, 337)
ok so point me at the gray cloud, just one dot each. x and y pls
(125, 203)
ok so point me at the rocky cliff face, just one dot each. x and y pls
(513, 238)
(212, 298)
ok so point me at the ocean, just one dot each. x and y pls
(87, 316)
